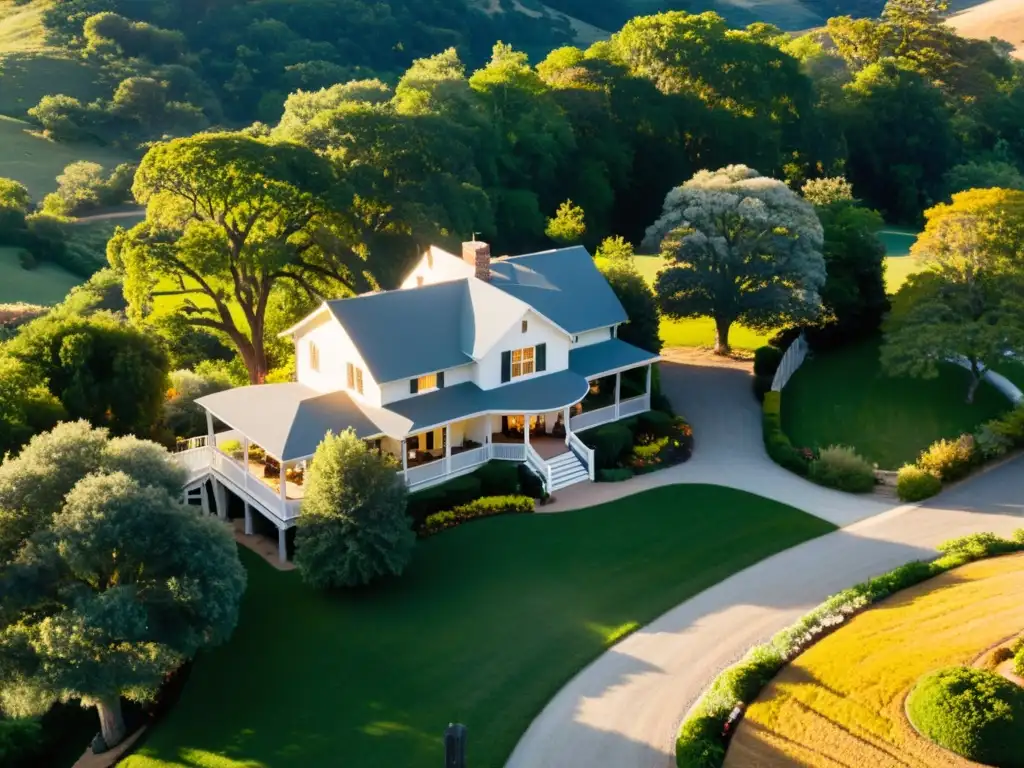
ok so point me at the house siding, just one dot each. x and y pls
(587, 338)
(335, 350)
(441, 267)
(393, 391)
(538, 331)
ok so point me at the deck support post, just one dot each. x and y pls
(204, 499)
(209, 430)
(405, 462)
(282, 546)
(220, 495)
(618, 386)
(248, 519)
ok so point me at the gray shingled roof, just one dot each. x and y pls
(406, 333)
(290, 420)
(563, 285)
(612, 355)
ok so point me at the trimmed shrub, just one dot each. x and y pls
(762, 386)
(615, 475)
(1018, 662)
(1010, 425)
(486, 506)
(610, 442)
(767, 360)
(949, 459)
(973, 712)
(914, 484)
(455, 492)
(779, 449)
(844, 469)
(498, 478)
(978, 546)
(530, 482)
(656, 423)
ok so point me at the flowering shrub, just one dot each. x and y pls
(914, 484)
(485, 506)
(949, 459)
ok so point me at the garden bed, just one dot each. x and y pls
(648, 442)
(844, 696)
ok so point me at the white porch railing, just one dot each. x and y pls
(431, 471)
(625, 408)
(583, 452)
(534, 460)
(508, 451)
(467, 459)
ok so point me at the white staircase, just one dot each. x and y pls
(566, 470)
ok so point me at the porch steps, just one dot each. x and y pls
(566, 470)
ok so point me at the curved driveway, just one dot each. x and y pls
(623, 710)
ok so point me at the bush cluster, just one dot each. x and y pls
(844, 469)
(766, 363)
(776, 443)
(486, 506)
(975, 713)
(611, 443)
(453, 493)
(949, 459)
(914, 484)
(498, 478)
(649, 441)
(702, 738)
(530, 483)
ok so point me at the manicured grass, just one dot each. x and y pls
(843, 397)
(36, 162)
(487, 624)
(46, 284)
(1013, 370)
(841, 702)
(898, 269)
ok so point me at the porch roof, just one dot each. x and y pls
(289, 420)
(608, 357)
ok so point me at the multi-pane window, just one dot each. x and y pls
(359, 380)
(423, 383)
(354, 377)
(522, 361)
(314, 357)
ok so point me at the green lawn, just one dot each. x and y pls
(488, 623)
(36, 162)
(1013, 370)
(46, 284)
(898, 240)
(843, 397)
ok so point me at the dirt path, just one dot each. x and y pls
(996, 18)
(133, 213)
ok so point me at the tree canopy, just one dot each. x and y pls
(739, 247)
(109, 582)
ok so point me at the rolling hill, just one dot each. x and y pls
(996, 18)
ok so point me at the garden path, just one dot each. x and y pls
(624, 709)
(716, 397)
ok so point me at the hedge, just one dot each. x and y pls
(767, 360)
(486, 506)
(460, 490)
(776, 443)
(703, 735)
(498, 478)
(614, 475)
(611, 442)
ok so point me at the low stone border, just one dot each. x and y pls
(705, 732)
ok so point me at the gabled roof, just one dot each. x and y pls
(595, 360)
(564, 285)
(409, 332)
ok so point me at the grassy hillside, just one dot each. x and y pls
(996, 18)
(36, 162)
(46, 284)
(31, 68)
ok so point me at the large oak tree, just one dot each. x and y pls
(230, 220)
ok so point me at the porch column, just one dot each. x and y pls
(405, 462)
(565, 422)
(649, 367)
(618, 384)
(282, 546)
(526, 429)
(448, 448)
(248, 519)
(488, 431)
(209, 429)
(204, 499)
(284, 489)
(245, 460)
(220, 495)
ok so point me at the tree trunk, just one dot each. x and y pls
(255, 362)
(722, 336)
(975, 381)
(111, 720)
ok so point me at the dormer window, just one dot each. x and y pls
(426, 383)
(314, 357)
(523, 362)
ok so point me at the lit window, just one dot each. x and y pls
(314, 357)
(423, 383)
(359, 380)
(522, 361)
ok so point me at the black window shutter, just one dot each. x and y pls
(541, 356)
(440, 379)
(611, 332)
(414, 386)
(506, 366)
(430, 440)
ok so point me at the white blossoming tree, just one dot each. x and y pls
(739, 247)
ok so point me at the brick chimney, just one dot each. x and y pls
(478, 256)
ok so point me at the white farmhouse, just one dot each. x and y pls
(470, 360)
